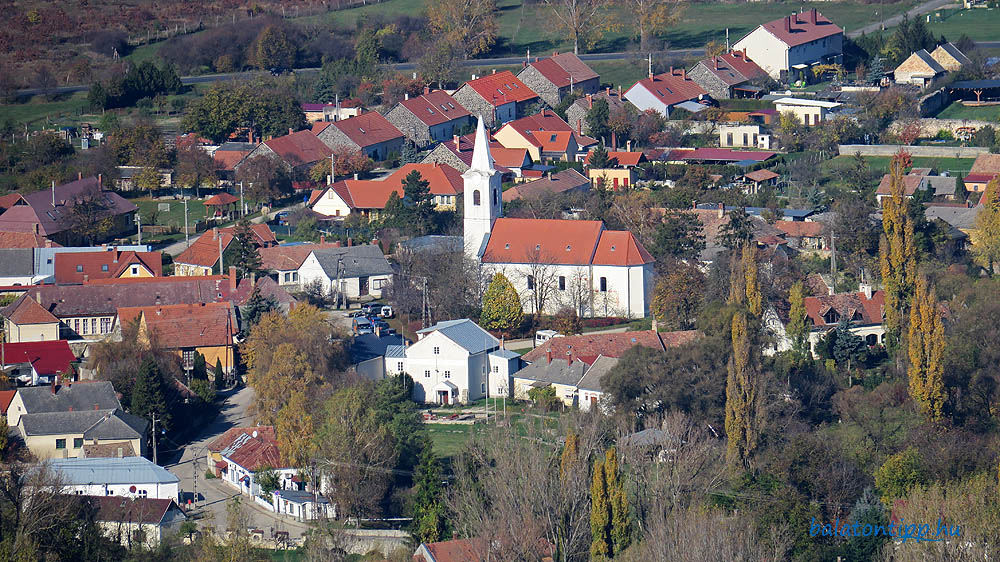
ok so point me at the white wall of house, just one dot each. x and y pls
(451, 364)
(871, 333)
(234, 474)
(770, 53)
(643, 99)
(303, 511)
(350, 286)
(157, 490)
(588, 398)
(743, 136)
(288, 278)
(818, 50)
(808, 115)
(331, 205)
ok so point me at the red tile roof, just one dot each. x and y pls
(25, 240)
(8, 201)
(6, 396)
(374, 194)
(986, 164)
(801, 28)
(204, 251)
(288, 257)
(228, 159)
(620, 247)
(552, 141)
(24, 310)
(435, 107)
(252, 453)
(221, 199)
(979, 178)
(726, 155)
(670, 88)
(503, 158)
(761, 175)
(556, 183)
(299, 148)
(624, 159)
(910, 184)
(116, 509)
(545, 120)
(368, 129)
(799, 229)
(73, 267)
(855, 306)
(186, 325)
(556, 241)
(500, 88)
(51, 357)
(609, 344)
(733, 68)
(456, 550)
(560, 67)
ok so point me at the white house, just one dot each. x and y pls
(787, 47)
(576, 380)
(304, 506)
(744, 136)
(663, 92)
(130, 477)
(352, 271)
(239, 454)
(808, 112)
(137, 522)
(553, 263)
(454, 361)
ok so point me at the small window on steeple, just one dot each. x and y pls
(476, 198)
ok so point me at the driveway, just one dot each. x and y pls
(894, 20)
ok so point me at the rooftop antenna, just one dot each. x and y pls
(727, 39)
(650, 59)
(53, 194)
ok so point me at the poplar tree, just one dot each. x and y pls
(986, 245)
(570, 454)
(744, 409)
(600, 513)
(609, 513)
(798, 328)
(897, 252)
(926, 351)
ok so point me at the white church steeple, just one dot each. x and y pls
(482, 194)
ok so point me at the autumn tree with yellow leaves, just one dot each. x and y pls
(986, 239)
(744, 385)
(471, 25)
(609, 512)
(897, 252)
(925, 342)
(798, 327)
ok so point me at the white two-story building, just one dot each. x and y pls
(786, 48)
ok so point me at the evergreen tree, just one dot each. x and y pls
(897, 252)
(798, 328)
(243, 252)
(868, 510)
(926, 352)
(410, 153)
(256, 307)
(738, 231)
(426, 506)
(597, 120)
(600, 513)
(199, 371)
(419, 202)
(570, 453)
(148, 394)
(599, 158)
(219, 376)
(609, 514)
(502, 310)
(846, 346)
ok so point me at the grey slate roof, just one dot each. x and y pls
(942, 185)
(959, 217)
(557, 372)
(592, 380)
(505, 354)
(17, 262)
(358, 261)
(395, 351)
(465, 333)
(128, 470)
(301, 497)
(92, 424)
(80, 396)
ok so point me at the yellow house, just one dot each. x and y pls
(25, 320)
(613, 178)
(206, 328)
(80, 267)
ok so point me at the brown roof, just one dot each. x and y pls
(25, 240)
(670, 88)
(299, 148)
(501, 88)
(6, 396)
(546, 121)
(855, 306)
(149, 511)
(733, 68)
(623, 158)
(103, 297)
(799, 229)
(761, 175)
(108, 450)
(802, 28)
(73, 267)
(228, 159)
(434, 108)
(910, 184)
(503, 158)
(620, 247)
(609, 344)
(252, 453)
(368, 129)
(268, 288)
(556, 183)
(24, 310)
(53, 219)
(986, 164)
(564, 69)
(221, 199)
(374, 194)
(204, 251)
(288, 257)
(8, 201)
(186, 325)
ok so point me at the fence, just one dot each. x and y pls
(921, 151)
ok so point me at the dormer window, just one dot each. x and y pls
(538, 246)
(831, 317)
(506, 246)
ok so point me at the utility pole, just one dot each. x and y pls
(833, 259)
(340, 265)
(243, 205)
(220, 254)
(138, 221)
(187, 238)
(423, 305)
(154, 438)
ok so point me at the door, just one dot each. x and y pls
(443, 397)
(363, 286)
(593, 401)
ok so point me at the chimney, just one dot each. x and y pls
(86, 278)
(569, 359)
(619, 91)
(427, 90)
(671, 70)
(71, 408)
(232, 278)
(251, 136)
(684, 74)
(458, 145)
(548, 356)
(550, 175)
(322, 238)
(97, 406)
(865, 288)
(716, 61)
(290, 131)
(406, 96)
(607, 91)
(215, 233)
(329, 179)
(350, 242)
(524, 64)
(722, 210)
(788, 24)
(579, 127)
(744, 53)
(100, 181)
(494, 71)
(590, 101)
(628, 146)
(53, 386)
(79, 176)
(38, 297)
(812, 16)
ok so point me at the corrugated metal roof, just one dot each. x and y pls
(465, 333)
(129, 470)
(358, 261)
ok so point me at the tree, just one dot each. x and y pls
(218, 373)
(4, 437)
(469, 24)
(195, 167)
(501, 306)
(243, 252)
(426, 505)
(540, 278)
(899, 474)
(609, 512)
(441, 63)
(273, 49)
(90, 216)
(653, 16)
(744, 385)
(148, 394)
(410, 153)
(679, 235)
(897, 252)
(738, 231)
(597, 124)
(867, 511)
(678, 296)
(585, 21)
(256, 307)
(147, 179)
(204, 389)
(139, 144)
(264, 178)
(844, 345)
(926, 351)
(798, 326)
(419, 202)
(199, 371)
(295, 430)
(986, 246)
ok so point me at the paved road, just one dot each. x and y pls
(894, 20)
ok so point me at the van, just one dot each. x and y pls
(542, 336)
(362, 325)
(386, 311)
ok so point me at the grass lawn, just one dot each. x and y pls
(148, 208)
(622, 73)
(959, 111)
(523, 350)
(448, 439)
(39, 112)
(881, 163)
(980, 24)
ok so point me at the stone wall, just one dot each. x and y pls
(923, 151)
(930, 127)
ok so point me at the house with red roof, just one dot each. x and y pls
(984, 169)
(553, 264)
(545, 136)
(468, 550)
(27, 321)
(566, 181)
(77, 267)
(240, 453)
(202, 256)
(369, 197)
(510, 162)
(499, 97)
(10, 240)
(554, 77)
(621, 174)
(228, 155)
(803, 235)
(369, 132)
(185, 329)
(283, 261)
(298, 150)
(729, 75)
(37, 362)
(864, 309)
(430, 117)
(663, 92)
(786, 47)
(576, 113)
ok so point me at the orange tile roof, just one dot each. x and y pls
(623, 158)
(186, 325)
(368, 129)
(501, 88)
(374, 194)
(444, 180)
(761, 175)
(910, 184)
(801, 28)
(73, 267)
(559, 68)
(798, 229)
(552, 141)
(505, 158)
(299, 148)
(670, 89)
(24, 310)
(855, 306)
(205, 250)
(6, 397)
(25, 240)
(609, 344)
(228, 159)
(220, 199)
(620, 247)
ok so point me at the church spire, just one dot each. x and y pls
(482, 160)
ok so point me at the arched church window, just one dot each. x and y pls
(475, 197)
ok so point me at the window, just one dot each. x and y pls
(746, 139)
(93, 325)
(135, 270)
(447, 374)
(437, 351)
(288, 278)
(427, 374)
(531, 282)
(79, 269)
(562, 282)
(187, 359)
(475, 198)
(60, 443)
(729, 139)
(604, 284)
(105, 325)
(399, 366)
(77, 442)
(378, 283)
(104, 267)
(484, 387)
(76, 325)
(295, 276)
(496, 368)
(84, 332)
(806, 117)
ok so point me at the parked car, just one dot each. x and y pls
(362, 325)
(371, 308)
(386, 312)
(380, 324)
(355, 314)
(542, 336)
